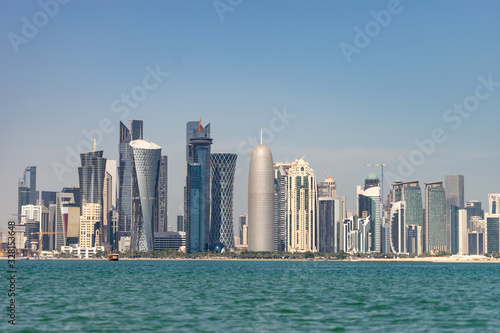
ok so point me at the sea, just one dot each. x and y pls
(253, 296)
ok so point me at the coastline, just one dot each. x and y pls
(452, 259)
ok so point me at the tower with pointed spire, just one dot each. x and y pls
(261, 199)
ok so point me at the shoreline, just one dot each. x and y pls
(453, 259)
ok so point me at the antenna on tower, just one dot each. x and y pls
(261, 135)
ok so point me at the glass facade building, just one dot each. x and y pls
(454, 191)
(454, 229)
(435, 217)
(197, 193)
(223, 166)
(162, 221)
(26, 188)
(492, 234)
(369, 206)
(125, 175)
(145, 158)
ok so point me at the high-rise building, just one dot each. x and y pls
(124, 200)
(162, 222)
(48, 198)
(494, 203)
(280, 196)
(261, 223)
(454, 229)
(61, 199)
(71, 223)
(92, 176)
(462, 232)
(180, 222)
(243, 229)
(454, 190)
(331, 214)
(473, 208)
(301, 221)
(414, 239)
(197, 192)
(145, 157)
(89, 233)
(398, 228)
(222, 167)
(75, 190)
(107, 206)
(492, 233)
(26, 189)
(369, 206)
(112, 169)
(435, 217)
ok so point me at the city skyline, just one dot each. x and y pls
(397, 90)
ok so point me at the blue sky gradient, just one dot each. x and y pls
(263, 56)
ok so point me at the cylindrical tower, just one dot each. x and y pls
(261, 200)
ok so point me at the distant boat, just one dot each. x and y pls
(113, 257)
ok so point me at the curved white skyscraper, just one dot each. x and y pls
(145, 167)
(261, 200)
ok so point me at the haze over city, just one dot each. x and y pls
(280, 66)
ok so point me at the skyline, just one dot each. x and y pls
(242, 72)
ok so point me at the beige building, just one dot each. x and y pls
(301, 208)
(91, 214)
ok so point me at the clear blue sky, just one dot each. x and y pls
(263, 56)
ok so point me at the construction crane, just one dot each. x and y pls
(40, 238)
(382, 165)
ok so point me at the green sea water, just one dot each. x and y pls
(253, 296)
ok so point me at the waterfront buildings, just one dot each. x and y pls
(197, 192)
(222, 167)
(414, 239)
(301, 222)
(261, 228)
(473, 208)
(145, 157)
(435, 217)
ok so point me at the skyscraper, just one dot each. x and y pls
(369, 206)
(92, 175)
(435, 217)
(223, 167)
(162, 221)
(243, 229)
(492, 233)
(454, 190)
(26, 187)
(197, 193)
(301, 222)
(61, 199)
(280, 195)
(398, 227)
(124, 200)
(331, 214)
(494, 203)
(145, 157)
(411, 195)
(473, 208)
(261, 227)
